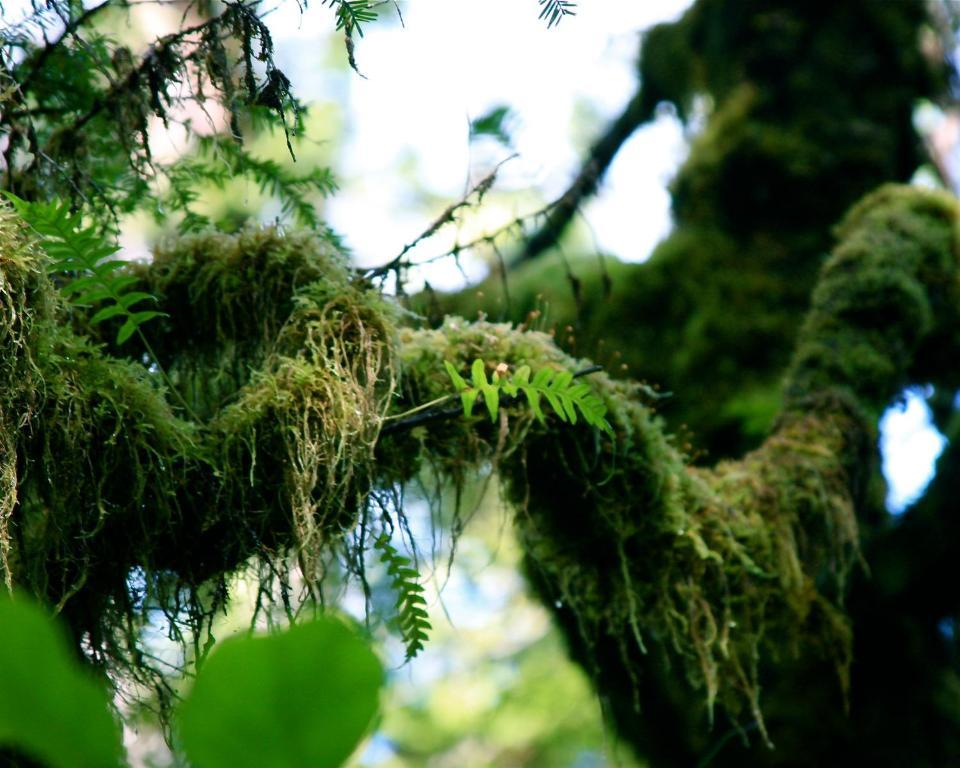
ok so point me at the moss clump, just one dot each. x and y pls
(748, 564)
(117, 504)
(232, 295)
(120, 506)
(310, 415)
(890, 282)
(634, 547)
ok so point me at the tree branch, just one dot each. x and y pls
(599, 158)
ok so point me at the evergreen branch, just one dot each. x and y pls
(411, 619)
(36, 63)
(352, 14)
(554, 11)
(217, 162)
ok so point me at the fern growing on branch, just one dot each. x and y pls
(83, 255)
(565, 397)
(411, 619)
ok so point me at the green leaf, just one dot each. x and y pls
(126, 330)
(90, 297)
(493, 124)
(148, 314)
(468, 398)
(412, 620)
(568, 408)
(458, 381)
(561, 381)
(106, 313)
(534, 398)
(478, 373)
(305, 697)
(135, 297)
(541, 378)
(491, 396)
(555, 404)
(50, 708)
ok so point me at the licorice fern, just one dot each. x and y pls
(412, 620)
(558, 388)
(83, 256)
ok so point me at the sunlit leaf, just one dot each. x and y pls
(50, 708)
(303, 698)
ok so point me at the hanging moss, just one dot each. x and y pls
(640, 549)
(742, 568)
(122, 506)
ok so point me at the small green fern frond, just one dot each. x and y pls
(412, 619)
(568, 399)
(83, 256)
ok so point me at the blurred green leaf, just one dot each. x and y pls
(494, 124)
(300, 699)
(50, 708)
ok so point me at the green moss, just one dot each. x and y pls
(889, 282)
(720, 567)
(232, 296)
(116, 505)
(806, 110)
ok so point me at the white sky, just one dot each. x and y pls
(453, 61)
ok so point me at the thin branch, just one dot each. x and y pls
(447, 217)
(129, 82)
(36, 65)
(563, 209)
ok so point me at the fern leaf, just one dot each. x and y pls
(491, 397)
(458, 381)
(568, 398)
(84, 255)
(412, 618)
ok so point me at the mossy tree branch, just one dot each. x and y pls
(722, 567)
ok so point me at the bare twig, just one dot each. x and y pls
(473, 197)
(563, 209)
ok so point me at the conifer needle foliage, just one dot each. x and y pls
(352, 14)
(553, 11)
(412, 619)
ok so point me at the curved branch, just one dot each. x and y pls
(296, 374)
